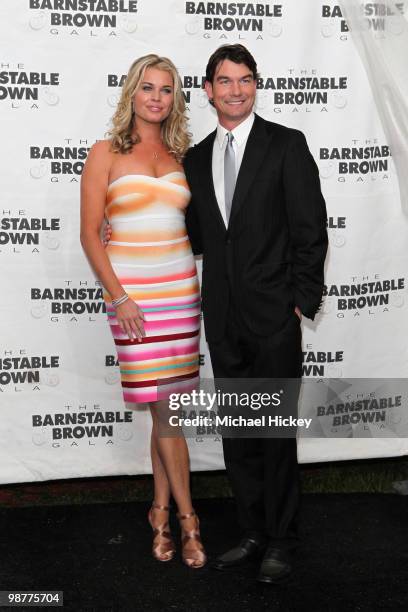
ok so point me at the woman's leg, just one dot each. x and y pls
(172, 452)
(170, 460)
(161, 483)
(163, 545)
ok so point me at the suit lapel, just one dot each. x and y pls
(255, 151)
(208, 181)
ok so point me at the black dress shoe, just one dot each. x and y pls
(247, 549)
(275, 567)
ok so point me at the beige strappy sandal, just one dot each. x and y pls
(163, 548)
(194, 558)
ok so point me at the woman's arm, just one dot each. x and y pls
(94, 185)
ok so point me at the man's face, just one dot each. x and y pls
(233, 92)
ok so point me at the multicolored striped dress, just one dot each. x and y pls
(151, 255)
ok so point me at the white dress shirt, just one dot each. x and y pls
(240, 133)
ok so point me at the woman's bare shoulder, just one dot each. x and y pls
(101, 154)
(102, 148)
(99, 162)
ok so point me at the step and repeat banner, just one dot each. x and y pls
(62, 66)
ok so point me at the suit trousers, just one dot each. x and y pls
(263, 472)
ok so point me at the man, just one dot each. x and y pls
(258, 217)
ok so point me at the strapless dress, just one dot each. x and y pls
(151, 255)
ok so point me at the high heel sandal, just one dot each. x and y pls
(163, 548)
(194, 558)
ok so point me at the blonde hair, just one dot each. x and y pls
(174, 131)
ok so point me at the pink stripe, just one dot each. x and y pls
(139, 396)
(165, 324)
(135, 280)
(152, 394)
(157, 353)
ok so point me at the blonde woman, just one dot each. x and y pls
(135, 180)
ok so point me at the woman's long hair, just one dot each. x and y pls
(174, 133)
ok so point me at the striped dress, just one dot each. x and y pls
(151, 255)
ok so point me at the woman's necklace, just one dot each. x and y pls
(155, 154)
(158, 153)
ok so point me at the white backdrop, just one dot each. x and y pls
(62, 413)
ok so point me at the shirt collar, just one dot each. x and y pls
(241, 132)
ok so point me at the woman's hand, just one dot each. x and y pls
(107, 233)
(130, 318)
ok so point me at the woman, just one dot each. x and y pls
(136, 180)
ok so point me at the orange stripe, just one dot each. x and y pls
(137, 203)
(157, 292)
(158, 374)
(166, 294)
(129, 252)
(143, 188)
(140, 295)
(157, 363)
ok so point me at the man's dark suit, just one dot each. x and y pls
(269, 260)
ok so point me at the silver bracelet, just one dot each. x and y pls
(120, 300)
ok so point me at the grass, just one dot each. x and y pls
(363, 476)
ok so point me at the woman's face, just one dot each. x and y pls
(154, 97)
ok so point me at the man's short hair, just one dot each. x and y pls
(235, 53)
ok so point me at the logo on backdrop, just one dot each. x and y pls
(369, 411)
(84, 424)
(302, 90)
(333, 23)
(92, 18)
(72, 301)
(193, 91)
(21, 234)
(20, 371)
(112, 374)
(376, 16)
(322, 364)
(20, 88)
(336, 230)
(235, 21)
(368, 295)
(354, 407)
(114, 81)
(362, 161)
(59, 163)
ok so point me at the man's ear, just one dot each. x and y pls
(209, 89)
